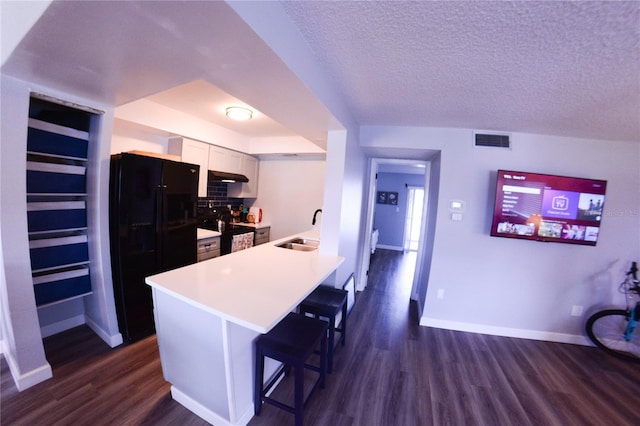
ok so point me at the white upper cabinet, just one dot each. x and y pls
(193, 152)
(225, 160)
(212, 157)
(248, 189)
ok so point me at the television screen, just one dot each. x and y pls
(550, 208)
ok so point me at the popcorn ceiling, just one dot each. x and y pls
(562, 68)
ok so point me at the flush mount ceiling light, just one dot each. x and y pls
(239, 113)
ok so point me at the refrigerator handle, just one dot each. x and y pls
(160, 224)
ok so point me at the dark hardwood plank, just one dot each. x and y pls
(391, 372)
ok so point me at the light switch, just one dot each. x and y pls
(456, 205)
(456, 217)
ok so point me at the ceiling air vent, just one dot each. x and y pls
(492, 140)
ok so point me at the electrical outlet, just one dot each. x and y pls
(576, 310)
(440, 294)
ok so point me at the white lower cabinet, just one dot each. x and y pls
(208, 248)
(262, 236)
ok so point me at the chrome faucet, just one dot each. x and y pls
(313, 222)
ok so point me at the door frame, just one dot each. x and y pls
(374, 165)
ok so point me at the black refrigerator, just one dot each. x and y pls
(152, 215)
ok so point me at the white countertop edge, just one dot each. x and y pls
(252, 225)
(231, 318)
(206, 233)
(268, 249)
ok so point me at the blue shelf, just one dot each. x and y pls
(57, 221)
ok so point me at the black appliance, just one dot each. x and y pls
(220, 219)
(153, 228)
(218, 176)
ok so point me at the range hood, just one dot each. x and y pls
(217, 176)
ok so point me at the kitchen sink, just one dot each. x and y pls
(300, 244)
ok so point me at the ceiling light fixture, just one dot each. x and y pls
(239, 113)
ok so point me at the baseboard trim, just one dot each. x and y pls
(197, 408)
(31, 378)
(112, 340)
(546, 336)
(60, 326)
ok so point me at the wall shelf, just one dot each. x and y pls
(56, 203)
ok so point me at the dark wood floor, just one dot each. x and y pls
(392, 372)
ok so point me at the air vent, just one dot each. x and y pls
(492, 140)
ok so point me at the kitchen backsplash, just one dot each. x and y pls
(217, 193)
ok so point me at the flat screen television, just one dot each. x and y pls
(540, 207)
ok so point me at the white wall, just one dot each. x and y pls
(23, 343)
(515, 287)
(289, 191)
(353, 204)
(126, 138)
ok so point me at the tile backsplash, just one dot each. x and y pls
(217, 192)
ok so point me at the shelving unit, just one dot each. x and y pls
(57, 203)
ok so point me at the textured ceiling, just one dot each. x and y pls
(559, 67)
(563, 68)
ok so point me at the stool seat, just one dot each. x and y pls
(328, 302)
(292, 341)
(294, 336)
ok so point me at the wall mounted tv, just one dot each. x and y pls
(548, 208)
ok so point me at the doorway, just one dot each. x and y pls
(414, 229)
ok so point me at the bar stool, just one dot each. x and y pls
(327, 302)
(292, 341)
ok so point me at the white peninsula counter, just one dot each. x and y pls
(208, 315)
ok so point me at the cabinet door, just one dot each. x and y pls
(249, 189)
(194, 152)
(225, 160)
(234, 162)
(217, 158)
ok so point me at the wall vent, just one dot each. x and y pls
(492, 140)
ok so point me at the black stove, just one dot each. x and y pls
(208, 218)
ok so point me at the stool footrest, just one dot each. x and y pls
(328, 302)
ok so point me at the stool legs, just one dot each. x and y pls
(332, 334)
(257, 391)
(332, 337)
(323, 361)
(343, 335)
(294, 361)
(299, 393)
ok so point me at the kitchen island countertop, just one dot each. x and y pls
(254, 288)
